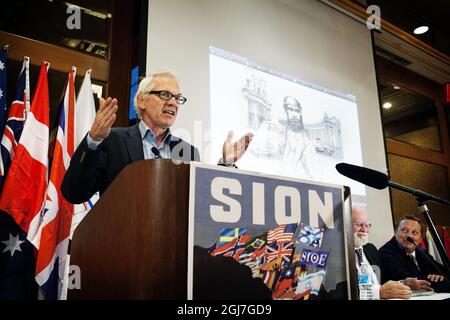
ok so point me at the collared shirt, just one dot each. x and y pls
(373, 276)
(148, 142)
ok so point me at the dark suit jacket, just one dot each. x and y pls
(372, 255)
(92, 171)
(396, 265)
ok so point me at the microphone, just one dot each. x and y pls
(156, 153)
(379, 180)
(369, 177)
(410, 240)
(433, 263)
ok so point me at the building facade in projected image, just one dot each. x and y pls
(301, 130)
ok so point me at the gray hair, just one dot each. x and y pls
(147, 84)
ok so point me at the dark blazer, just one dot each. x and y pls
(371, 254)
(397, 265)
(92, 171)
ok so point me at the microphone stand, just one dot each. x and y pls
(421, 197)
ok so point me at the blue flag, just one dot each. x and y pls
(227, 235)
(17, 262)
(14, 122)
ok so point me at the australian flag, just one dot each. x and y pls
(17, 262)
(15, 121)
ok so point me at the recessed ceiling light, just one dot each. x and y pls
(420, 30)
(387, 105)
(396, 87)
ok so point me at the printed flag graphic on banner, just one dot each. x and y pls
(26, 183)
(310, 284)
(228, 234)
(232, 249)
(16, 120)
(316, 259)
(54, 231)
(279, 254)
(310, 236)
(283, 289)
(282, 233)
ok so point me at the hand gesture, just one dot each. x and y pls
(233, 151)
(104, 119)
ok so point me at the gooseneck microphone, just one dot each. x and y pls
(156, 153)
(410, 240)
(433, 263)
(379, 180)
(369, 177)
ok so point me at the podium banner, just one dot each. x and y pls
(256, 236)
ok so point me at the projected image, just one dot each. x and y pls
(301, 130)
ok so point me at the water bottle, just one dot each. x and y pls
(365, 282)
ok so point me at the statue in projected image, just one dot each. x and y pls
(299, 152)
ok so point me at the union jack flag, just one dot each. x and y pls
(15, 121)
(53, 236)
(280, 252)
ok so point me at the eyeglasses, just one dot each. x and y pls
(166, 95)
(360, 225)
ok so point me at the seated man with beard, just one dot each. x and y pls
(366, 252)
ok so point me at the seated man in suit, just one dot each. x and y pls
(367, 252)
(104, 152)
(402, 260)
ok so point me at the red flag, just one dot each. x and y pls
(54, 230)
(25, 186)
(446, 240)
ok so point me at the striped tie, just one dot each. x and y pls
(359, 254)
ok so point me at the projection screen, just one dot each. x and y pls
(250, 65)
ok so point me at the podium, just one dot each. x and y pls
(133, 243)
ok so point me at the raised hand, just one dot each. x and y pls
(104, 119)
(233, 151)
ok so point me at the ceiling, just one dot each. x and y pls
(409, 14)
(404, 103)
(46, 20)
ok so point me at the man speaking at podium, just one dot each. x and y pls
(104, 152)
